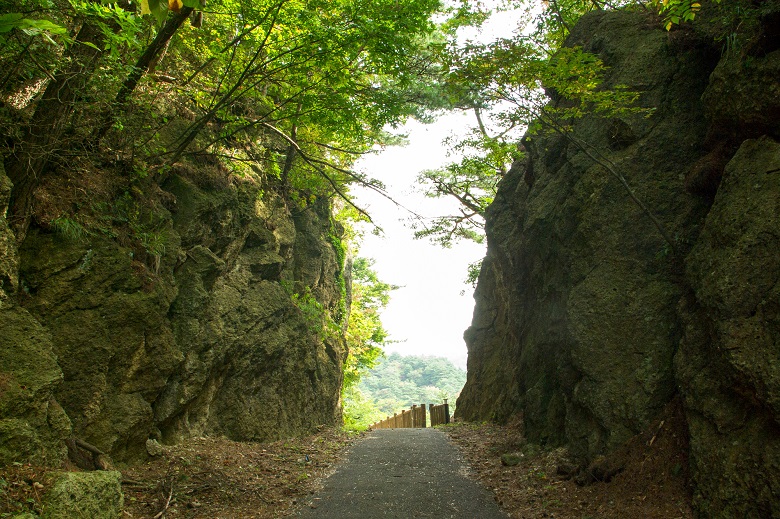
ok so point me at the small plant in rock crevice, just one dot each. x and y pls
(69, 228)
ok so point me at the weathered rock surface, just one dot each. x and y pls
(205, 337)
(9, 257)
(588, 323)
(84, 495)
(585, 300)
(33, 425)
(728, 365)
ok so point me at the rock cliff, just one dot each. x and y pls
(166, 312)
(588, 323)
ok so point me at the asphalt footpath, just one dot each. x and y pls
(402, 473)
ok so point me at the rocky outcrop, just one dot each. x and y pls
(173, 315)
(253, 366)
(588, 322)
(33, 425)
(9, 258)
(728, 364)
(585, 300)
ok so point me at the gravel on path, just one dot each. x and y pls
(402, 473)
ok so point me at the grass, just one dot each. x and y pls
(69, 228)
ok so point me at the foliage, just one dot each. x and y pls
(398, 382)
(30, 27)
(297, 88)
(365, 334)
(473, 273)
(317, 318)
(365, 337)
(69, 228)
(678, 11)
(320, 79)
(472, 181)
(359, 411)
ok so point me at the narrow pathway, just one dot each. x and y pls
(402, 473)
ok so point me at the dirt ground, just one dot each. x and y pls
(220, 479)
(205, 478)
(651, 479)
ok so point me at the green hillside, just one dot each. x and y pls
(397, 382)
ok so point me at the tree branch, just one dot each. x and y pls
(319, 170)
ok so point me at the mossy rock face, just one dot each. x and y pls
(34, 425)
(728, 365)
(9, 257)
(208, 340)
(254, 368)
(587, 322)
(109, 332)
(84, 495)
(575, 324)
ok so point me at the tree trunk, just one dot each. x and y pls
(151, 53)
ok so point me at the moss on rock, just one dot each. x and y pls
(84, 495)
(33, 426)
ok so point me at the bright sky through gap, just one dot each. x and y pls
(428, 315)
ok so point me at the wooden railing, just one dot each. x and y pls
(440, 414)
(415, 417)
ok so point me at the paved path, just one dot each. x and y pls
(402, 473)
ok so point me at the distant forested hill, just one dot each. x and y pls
(399, 381)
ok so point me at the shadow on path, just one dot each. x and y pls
(402, 473)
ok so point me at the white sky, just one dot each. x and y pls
(428, 314)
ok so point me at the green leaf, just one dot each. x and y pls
(157, 8)
(90, 44)
(9, 22)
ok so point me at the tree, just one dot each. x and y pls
(365, 334)
(398, 382)
(471, 181)
(42, 137)
(301, 87)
